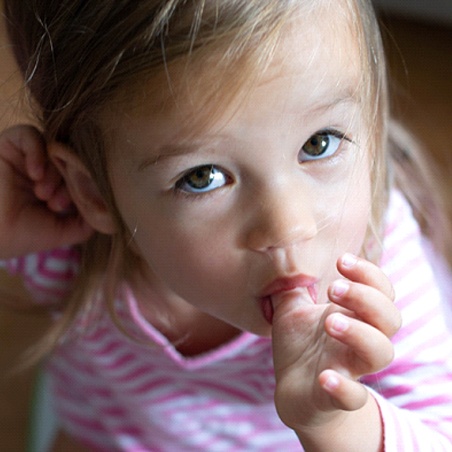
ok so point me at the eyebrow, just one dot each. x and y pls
(350, 95)
(168, 151)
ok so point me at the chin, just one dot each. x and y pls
(264, 330)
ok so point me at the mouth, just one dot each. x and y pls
(290, 286)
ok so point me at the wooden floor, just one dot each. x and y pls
(421, 61)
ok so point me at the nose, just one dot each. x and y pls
(281, 217)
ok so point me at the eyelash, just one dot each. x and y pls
(338, 134)
(215, 170)
(324, 133)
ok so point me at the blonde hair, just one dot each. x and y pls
(77, 57)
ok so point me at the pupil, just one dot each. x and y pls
(317, 145)
(202, 177)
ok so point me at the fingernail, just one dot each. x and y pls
(349, 260)
(340, 323)
(332, 382)
(340, 287)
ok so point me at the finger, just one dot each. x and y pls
(371, 349)
(296, 325)
(22, 147)
(31, 144)
(61, 201)
(368, 304)
(60, 230)
(72, 230)
(47, 187)
(345, 394)
(362, 271)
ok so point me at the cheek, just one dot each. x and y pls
(357, 208)
(349, 204)
(189, 263)
(171, 253)
(190, 255)
(348, 219)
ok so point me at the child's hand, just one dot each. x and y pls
(320, 351)
(36, 212)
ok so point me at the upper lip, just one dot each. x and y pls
(287, 283)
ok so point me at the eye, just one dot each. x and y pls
(202, 179)
(321, 145)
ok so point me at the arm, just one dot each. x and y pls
(36, 214)
(416, 389)
(414, 393)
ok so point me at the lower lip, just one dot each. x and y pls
(267, 309)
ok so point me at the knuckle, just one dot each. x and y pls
(383, 358)
(387, 357)
(396, 323)
(392, 292)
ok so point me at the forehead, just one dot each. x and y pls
(319, 52)
(317, 55)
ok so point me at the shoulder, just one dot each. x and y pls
(402, 236)
(403, 259)
(411, 264)
(47, 275)
(399, 221)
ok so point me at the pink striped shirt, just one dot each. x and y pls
(115, 393)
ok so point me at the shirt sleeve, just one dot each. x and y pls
(48, 275)
(414, 393)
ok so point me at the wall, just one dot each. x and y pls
(434, 10)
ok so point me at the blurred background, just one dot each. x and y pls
(418, 36)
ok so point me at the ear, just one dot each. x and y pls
(82, 188)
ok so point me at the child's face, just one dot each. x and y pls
(267, 193)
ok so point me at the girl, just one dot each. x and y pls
(231, 158)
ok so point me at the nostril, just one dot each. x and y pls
(272, 234)
(281, 213)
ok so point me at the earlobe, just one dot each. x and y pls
(82, 188)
